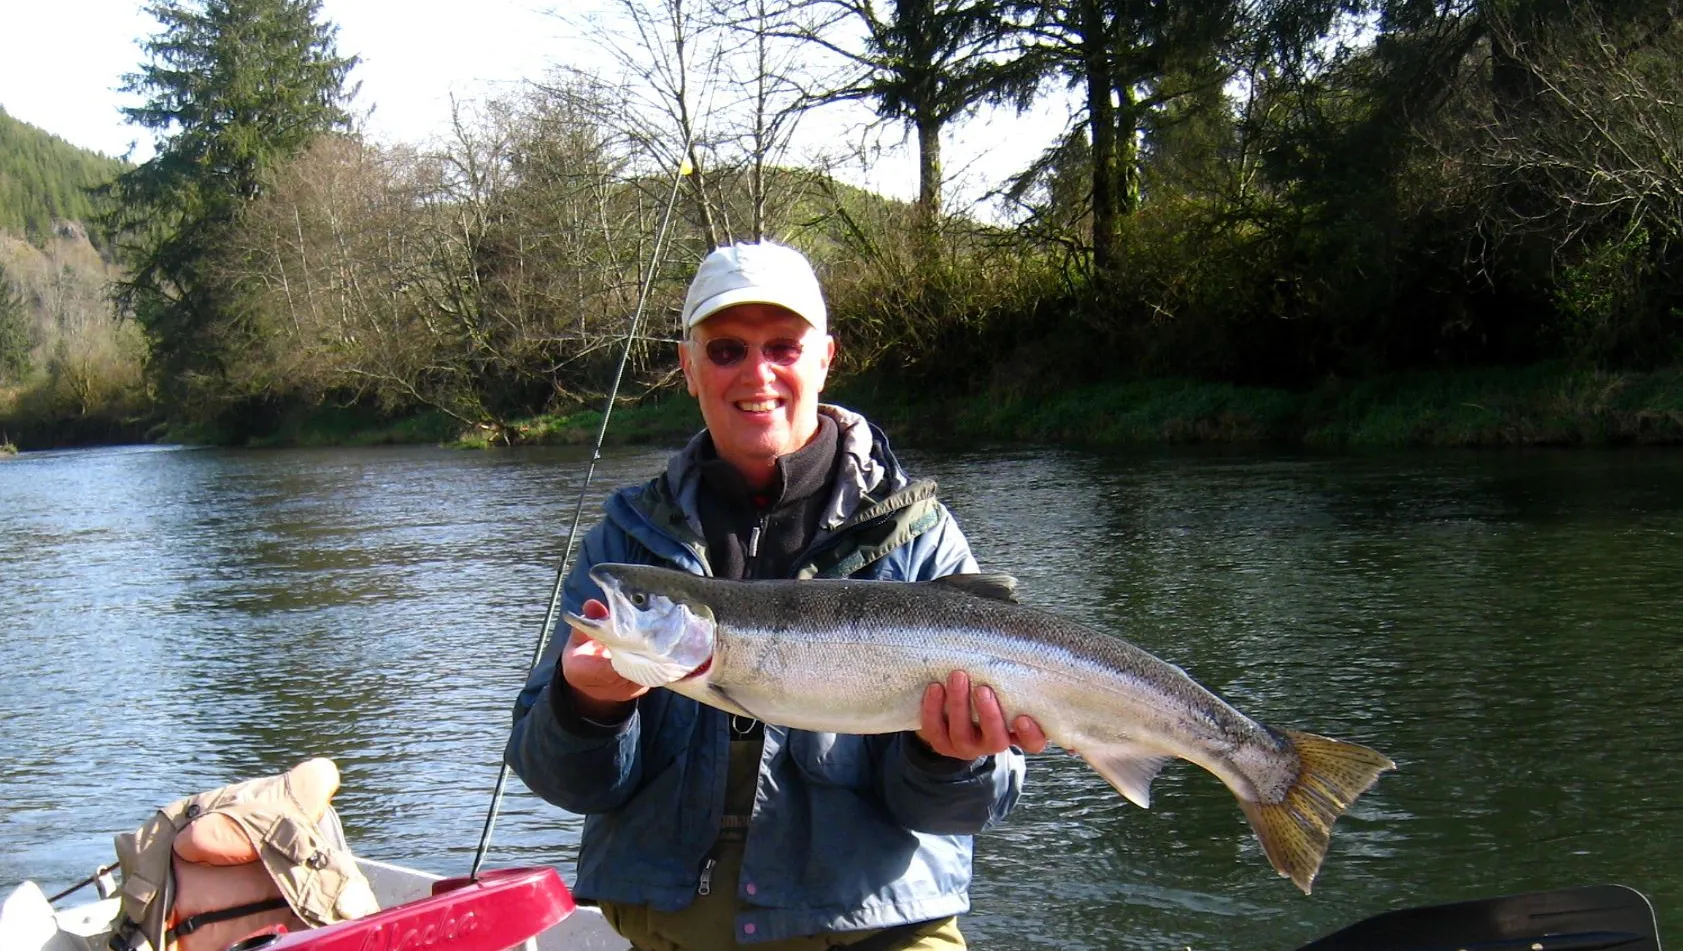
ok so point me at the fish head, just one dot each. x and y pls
(653, 635)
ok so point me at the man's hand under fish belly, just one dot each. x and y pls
(967, 723)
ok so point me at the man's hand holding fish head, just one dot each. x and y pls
(599, 692)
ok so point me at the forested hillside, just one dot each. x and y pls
(44, 179)
(70, 369)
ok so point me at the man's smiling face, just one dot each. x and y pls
(757, 409)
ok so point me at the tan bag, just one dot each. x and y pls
(212, 869)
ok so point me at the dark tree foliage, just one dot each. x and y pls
(1146, 69)
(1578, 144)
(231, 88)
(44, 179)
(1482, 182)
(1282, 192)
(925, 63)
(1354, 226)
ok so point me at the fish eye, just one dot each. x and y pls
(639, 599)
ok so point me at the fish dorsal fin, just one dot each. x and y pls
(1128, 768)
(994, 587)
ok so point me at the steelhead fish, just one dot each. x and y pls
(855, 657)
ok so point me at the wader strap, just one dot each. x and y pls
(190, 925)
(742, 775)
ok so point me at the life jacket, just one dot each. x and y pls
(265, 855)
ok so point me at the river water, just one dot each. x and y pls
(1507, 626)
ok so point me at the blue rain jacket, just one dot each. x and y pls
(847, 832)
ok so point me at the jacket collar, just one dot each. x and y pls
(795, 477)
(866, 470)
(663, 517)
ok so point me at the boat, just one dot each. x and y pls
(532, 909)
(529, 908)
(233, 868)
(247, 862)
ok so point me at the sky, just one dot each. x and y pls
(62, 63)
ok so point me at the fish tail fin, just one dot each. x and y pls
(1294, 831)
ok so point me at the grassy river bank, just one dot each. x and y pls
(1546, 405)
(1536, 406)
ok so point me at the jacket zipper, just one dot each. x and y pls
(704, 886)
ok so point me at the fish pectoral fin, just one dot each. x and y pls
(648, 671)
(1127, 767)
(724, 701)
(995, 587)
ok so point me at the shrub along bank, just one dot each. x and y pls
(1545, 405)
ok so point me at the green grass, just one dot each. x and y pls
(669, 417)
(1134, 412)
(1545, 405)
(1548, 405)
(321, 426)
(1540, 405)
(351, 426)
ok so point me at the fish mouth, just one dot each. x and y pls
(611, 599)
(591, 626)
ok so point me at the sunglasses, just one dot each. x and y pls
(729, 351)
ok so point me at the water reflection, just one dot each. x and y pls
(1503, 625)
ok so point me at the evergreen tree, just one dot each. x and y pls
(231, 87)
(926, 63)
(1147, 67)
(15, 340)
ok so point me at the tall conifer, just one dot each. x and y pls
(15, 339)
(230, 87)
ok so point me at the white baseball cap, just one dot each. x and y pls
(762, 273)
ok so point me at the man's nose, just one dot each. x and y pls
(757, 366)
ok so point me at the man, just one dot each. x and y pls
(706, 830)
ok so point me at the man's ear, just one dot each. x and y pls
(688, 367)
(829, 357)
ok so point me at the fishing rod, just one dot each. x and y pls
(101, 877)
(631, 337)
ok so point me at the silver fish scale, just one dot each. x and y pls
(803, 653)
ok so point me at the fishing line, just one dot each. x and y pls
(631, 337)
